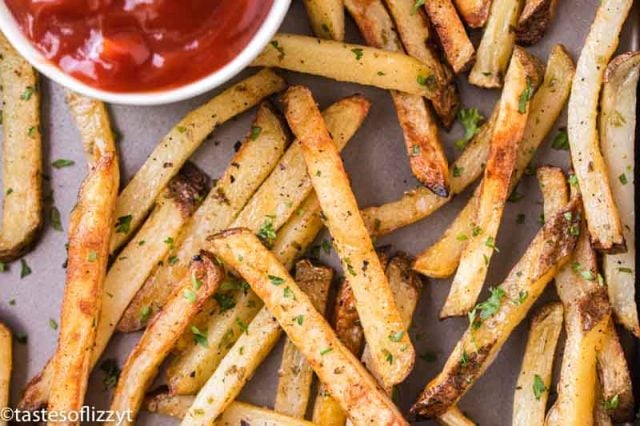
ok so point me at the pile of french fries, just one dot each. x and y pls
(213, 273)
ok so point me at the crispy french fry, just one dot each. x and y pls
(615, 378)
(496, 45)
(534, 20)
(5, 368)
(327, 18)
(617, 139)
(417, 39)
(521, 80)
(603, 219)
(474, 12)
(348, 381)
(295, 374)
(158, 339)
(348, 62)
(426, 157)
(532, 387)
(238, 413)
(492, 321)
(88, 255)
(442, 258)
(250, 166)
(454, 39)
(454, 417)
(176, 147)
(21, 154)
(377, 309)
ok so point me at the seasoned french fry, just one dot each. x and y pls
(176, 147)
(348, 62)
(417, 39)
(454, 39)
(295, 374)
(238, 413)
(530, 397)
(534, 20)
(454, 417)
(21, 154)
(617, 139)
(615, 378)
(158, 339)
(600, 415)
(5, 368)
(88, 255)
(521, 80)
(377, 310)
(250, 166)
(492, 321)
(327, 18)
(347, 379)
(442, 258)
(602, 215)
(496, 45)
(474, 12)
(426, 156)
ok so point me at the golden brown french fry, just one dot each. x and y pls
(238, 413)
(474, 12)
(88, 255)
(250, 166)
(496, 45)
(426, 157)
(534, 20)
(417, 39)
(532, 387)
(454, 39)
(21, 154)
(327, 18)
(348, 381)
(442, 258)
(617, 124)
(600, 415)
(295, 374)
(5, 369)
(176, 147)
(454, 417)
(381, 321)
(522, 78)
(602, 215)
(165, 329)
(615, 378)
(492, 321)
(348, 62)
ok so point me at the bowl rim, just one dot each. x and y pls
(11, 30)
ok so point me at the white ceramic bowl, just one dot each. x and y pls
(276, 15)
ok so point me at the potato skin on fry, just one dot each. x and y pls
(534, 21)
(474, 12)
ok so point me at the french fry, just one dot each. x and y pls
(454, 417)
(417, 39)
(530, 396)
(378, 312)
(5, 369)
(521, 80)
(426, 157)
(238, 413)
(88, 255)
(295, 374)
(600, 414)
(492, 321)
(454, 39)
(348, 381)
(615, 378)
(21, 154)
(617, 140)
(534, 20)
(496, 46)
(250, 166)
(176, 147)
(442, 258)
(327, 18)
(348, 62)
(474, 12)
(158, 339)
(603, 219)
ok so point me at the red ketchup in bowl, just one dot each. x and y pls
(139, 45)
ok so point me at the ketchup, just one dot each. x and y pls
(139, 45)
